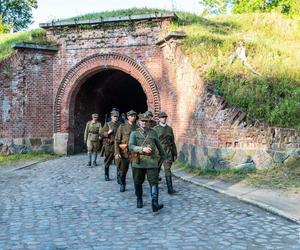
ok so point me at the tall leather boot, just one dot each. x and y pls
(139, 195)
(123, 183)
(118, 176)
(154, 195)
(107, 173)
(170, 185)
(159, 178)
(90, 159)
(95, 159)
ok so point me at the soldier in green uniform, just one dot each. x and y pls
(92, 138)
(146, 152)
(108, 133)
(152, 122)
(122, 154)
(166, 138)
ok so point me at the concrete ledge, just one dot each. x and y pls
(268, 200)
(77, 22)
(51, 48)
(173, 35)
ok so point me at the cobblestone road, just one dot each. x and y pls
(62, 204)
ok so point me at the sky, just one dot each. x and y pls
(55, 9)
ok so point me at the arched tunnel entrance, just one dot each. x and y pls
(100, 93)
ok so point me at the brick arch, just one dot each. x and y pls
(70, 85)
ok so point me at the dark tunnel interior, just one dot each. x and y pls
(100, 93)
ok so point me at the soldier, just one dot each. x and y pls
(122, 154)
(166, 138)
(152, 122)
(108, 133)
(146, 151)
(92, 138)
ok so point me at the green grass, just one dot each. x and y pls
(36, 36)
(17, 159)
(117, 13)
(273, 50)
(283, 177)
(228, 175)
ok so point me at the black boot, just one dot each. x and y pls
(118, 176)
(159, 178)
(123, 183)
(107, 174)
(95, 159)
(170, 185)
(154, 195)
(90, 159)
(139, 195)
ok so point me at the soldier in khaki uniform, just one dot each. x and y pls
(122, 154)
(166, 138)
(152, 122)
(146, 152)
(92, 138)
(108, 133)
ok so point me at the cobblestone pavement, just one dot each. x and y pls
(62, 204)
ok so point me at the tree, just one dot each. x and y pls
(290, 7)
(214, 7)
(17, 13)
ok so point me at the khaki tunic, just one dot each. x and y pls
(91, 136)
(122, 137)
(109, 139)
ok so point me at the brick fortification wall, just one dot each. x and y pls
(26, 101)
(211, 134)
(38, 89)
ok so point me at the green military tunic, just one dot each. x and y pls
(152, 123)
(146, 138)
(91, 136)
(167, 140)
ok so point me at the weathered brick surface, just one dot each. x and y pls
(207, 127)
(26, 95)
(39, 90)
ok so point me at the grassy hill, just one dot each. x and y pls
(36, 36)
(272, 43)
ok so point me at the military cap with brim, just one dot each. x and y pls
(149, 113)
(143, 117)
(114, 113)
(162, 114)
(95, 115)
(131, 112)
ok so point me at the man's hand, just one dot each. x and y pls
(147, 150)
(175, 157)
(118, 157)
(109, 131)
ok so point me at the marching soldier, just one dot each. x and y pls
(108, 133)
(152, 122)
(92, 138)
(146, 152)
(166, 138)
(122, 154)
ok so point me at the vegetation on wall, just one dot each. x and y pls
(268, 92)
